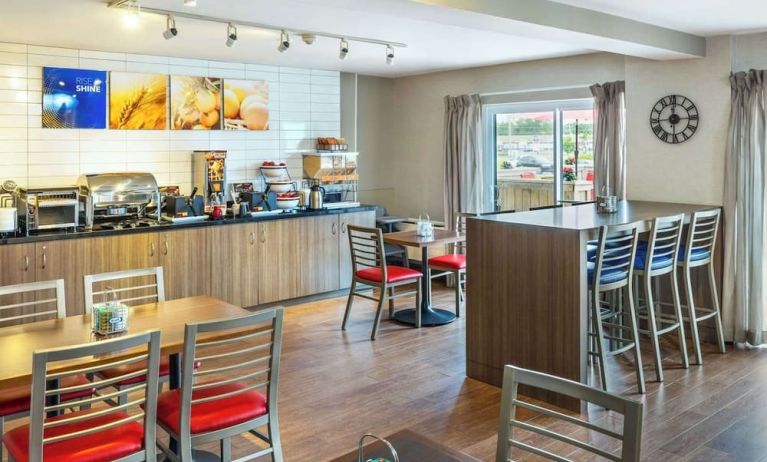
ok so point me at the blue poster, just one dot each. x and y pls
(74, 98)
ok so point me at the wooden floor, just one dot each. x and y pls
(335, 386)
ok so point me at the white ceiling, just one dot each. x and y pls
(700, 17)
(438, 38)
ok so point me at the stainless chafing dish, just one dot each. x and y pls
(111, 196)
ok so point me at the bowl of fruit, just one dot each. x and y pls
(272, 169)
(288, 200)
(281, 186)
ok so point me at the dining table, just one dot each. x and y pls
(430, 315)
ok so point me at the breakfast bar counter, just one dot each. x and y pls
(527, 288)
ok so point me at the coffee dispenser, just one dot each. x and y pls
(209, 174)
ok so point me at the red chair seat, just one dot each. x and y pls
(103, 446)
(393, 274)
(212, 415)
(16, 399)
(452, 261)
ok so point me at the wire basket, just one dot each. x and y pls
(109, 317)
(361, 450)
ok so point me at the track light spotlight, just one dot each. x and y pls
(389, 54)
(132, 16)
(170, 28)
(308, 39)
(284, 41)
(231, 35)
(344, 51)
(190, 2)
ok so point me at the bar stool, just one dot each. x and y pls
(610, 270)
(236, 391)
(369, 268)
(656, 258)
(698, 252)
(454, 263)
(104, 433)
(14, 402)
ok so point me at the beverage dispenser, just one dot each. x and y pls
(209, 174)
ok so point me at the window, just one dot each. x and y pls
(539, 154)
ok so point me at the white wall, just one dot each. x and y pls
(304, 104)
(690, 172)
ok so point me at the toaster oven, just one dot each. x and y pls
(48, 208)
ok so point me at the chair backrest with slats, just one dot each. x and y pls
(702, 233)
(131, 287)
(367, 248)
(663, 241)
(234, 356)
(630, 436)
(614, 260)
(461, 225)
(55, 365)
(34, 301)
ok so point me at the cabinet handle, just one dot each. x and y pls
(26, 262)
(333, 229)
(45, 258)
(263, 235)
(165, 246)
(252, 238)
(151, 249)
(343, 228)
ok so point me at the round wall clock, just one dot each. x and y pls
(674, 119)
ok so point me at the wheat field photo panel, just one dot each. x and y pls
(138, 101)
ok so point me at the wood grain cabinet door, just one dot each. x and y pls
(345, 260)
(186, 261)
(59, 260)
(318, 255)
(234, 256)
(278, 270)
(18, 267)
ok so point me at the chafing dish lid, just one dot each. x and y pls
(122, 187)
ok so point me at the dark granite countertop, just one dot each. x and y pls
(167, 226)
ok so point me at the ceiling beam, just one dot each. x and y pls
(595, 30)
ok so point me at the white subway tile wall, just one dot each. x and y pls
(303, 103)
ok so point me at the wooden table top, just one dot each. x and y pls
(410, 446)
(409, 238)
(19, 342)
(585, 217)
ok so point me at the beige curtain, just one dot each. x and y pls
(610, 138)
(463, 156)
(743, 298)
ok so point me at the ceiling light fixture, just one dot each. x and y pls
(308, 39)
(190, 2)
(284, 41)
(170, 28)
(132, 15)
(231, 35)
(389, 54)
(344, 51)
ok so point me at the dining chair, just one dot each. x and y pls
(33, 301)
(454, 263)
(143, 285)
(369, 268)
(224, 398)
(562, 428)
(610, 271)
(656, 258)
(103, 433)
(698, 252)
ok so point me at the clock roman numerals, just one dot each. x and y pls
(674, 119)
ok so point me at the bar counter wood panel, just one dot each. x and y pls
(527, 289)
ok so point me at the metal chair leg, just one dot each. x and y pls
(379, 310)
(391, 302)
(348, 305)
(457, 295)
(274, 438)
(652, 326)
(679, 319)
(715, 307)
(596, 320)
(635, 334)
(693, 317)
(226, 450)
(418, 299)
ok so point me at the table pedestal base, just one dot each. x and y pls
(430, 317)
(197, 456)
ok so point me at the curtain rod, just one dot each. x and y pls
(534, 90)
